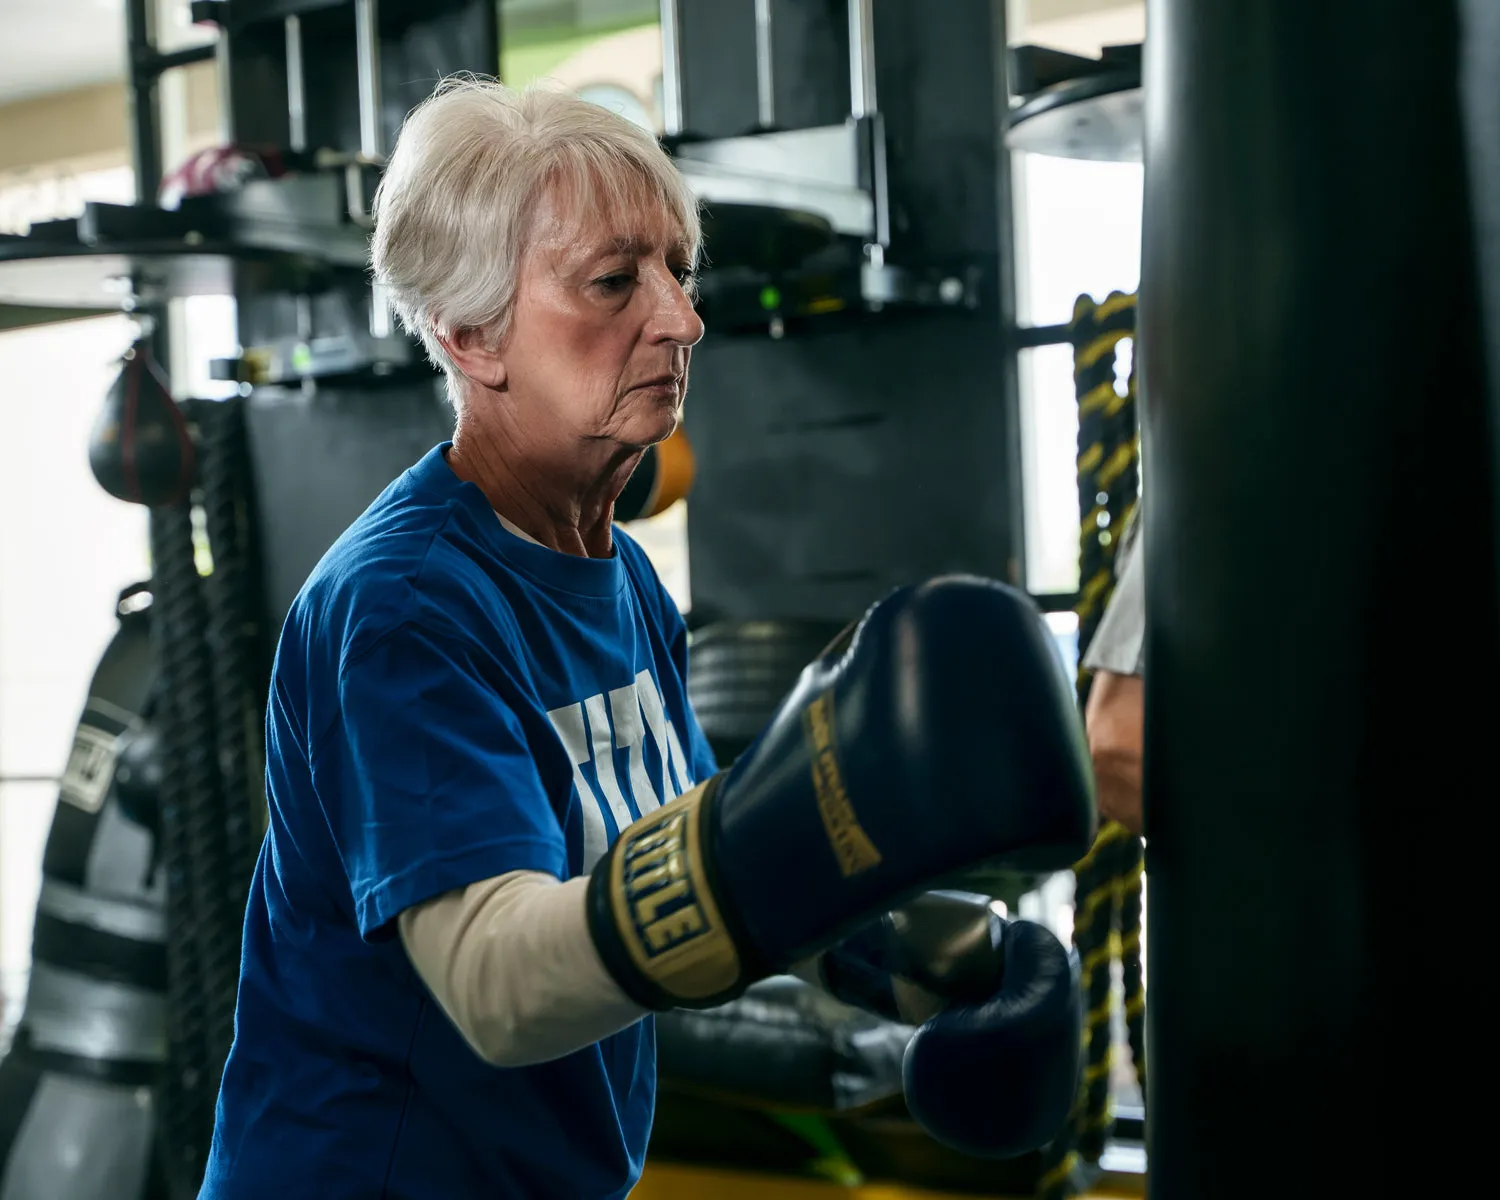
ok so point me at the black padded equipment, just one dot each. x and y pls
(785, 1044)
(74, 1118)
(138, 773)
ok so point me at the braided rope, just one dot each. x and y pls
(232, 635)
(185, 1101)
(1106, 921)
(1130, 882)
(210, 718)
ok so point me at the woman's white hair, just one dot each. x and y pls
(470, 168)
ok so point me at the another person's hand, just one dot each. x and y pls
(1115, 717)
(1116, 724)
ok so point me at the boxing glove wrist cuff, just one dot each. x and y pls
(950, 946)
(655, 915)
(849, 974)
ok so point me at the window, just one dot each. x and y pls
(1077, 26)
(608, 51)
(1078, 232)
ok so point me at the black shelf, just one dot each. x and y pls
(289, 235)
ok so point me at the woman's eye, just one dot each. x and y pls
(613, 284)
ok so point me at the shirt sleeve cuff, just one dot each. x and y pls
(377, 909)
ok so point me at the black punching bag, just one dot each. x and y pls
(1481, 98)
(77, 1102)
(1318, 450)
(140, 449)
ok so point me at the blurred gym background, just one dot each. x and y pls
(64, 140)
(72, 77)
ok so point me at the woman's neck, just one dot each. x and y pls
(564, 500)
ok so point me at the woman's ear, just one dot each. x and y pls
(476, 353)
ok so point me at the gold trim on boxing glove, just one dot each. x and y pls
(666, 915)
(852, 846)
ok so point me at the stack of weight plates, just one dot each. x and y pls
(739, 672)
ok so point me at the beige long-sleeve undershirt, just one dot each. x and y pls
(511, 962)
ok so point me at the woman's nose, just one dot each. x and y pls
(676, 318)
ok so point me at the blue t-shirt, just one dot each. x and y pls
(449, 702)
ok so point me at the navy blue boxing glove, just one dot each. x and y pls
(941, 734)
(993, 1066)
(997, 1078)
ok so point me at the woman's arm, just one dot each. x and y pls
(511, 962)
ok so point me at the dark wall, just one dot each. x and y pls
(836, 465)
(846, 459)
(320, 459)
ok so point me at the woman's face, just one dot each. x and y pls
(602, 328)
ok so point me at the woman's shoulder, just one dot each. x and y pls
(647, 583)
(397, 565)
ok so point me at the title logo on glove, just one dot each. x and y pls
(664, 908)
(663, 902)
(852, 846)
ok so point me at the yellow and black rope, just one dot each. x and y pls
(1107, 892)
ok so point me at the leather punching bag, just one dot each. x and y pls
(76, 1088)
(1315, 414)
(140, 449)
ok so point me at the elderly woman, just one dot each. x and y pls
(497, 836)
(479, 636)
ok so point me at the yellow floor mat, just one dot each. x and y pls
(668, 1181)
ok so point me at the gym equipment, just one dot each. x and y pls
(740, 671)
(799, 216)
(140, 450)
(782, 1045)
(1076, 107)
(996, 1076)
(77, 1115)
(208, 645)
(196, 779)
(948, 943)
(217, 169)
(1292, 473)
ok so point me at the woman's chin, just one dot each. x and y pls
(647, 429)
